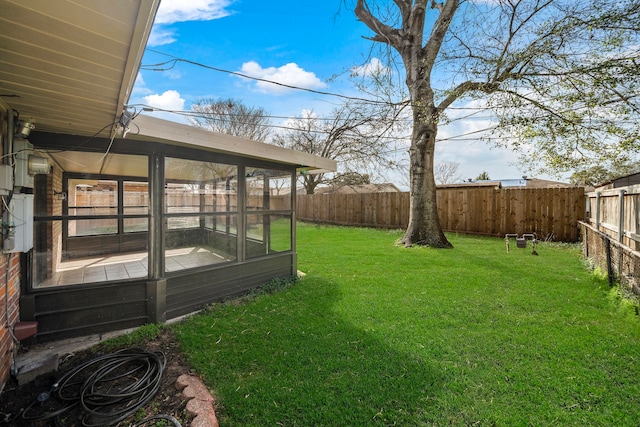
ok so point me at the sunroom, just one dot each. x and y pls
(155, 225)
(116, 229)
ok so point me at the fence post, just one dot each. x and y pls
(585, 236)
(607, 251)
(598, 210)
(621, 216)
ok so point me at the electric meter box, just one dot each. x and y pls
(19, 219)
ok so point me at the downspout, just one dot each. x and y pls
(10, 126)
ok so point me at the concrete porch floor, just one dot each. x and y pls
(123, 266)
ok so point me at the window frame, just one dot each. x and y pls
(120, 216)
(267, 211)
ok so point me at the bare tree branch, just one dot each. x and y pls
(562, 76)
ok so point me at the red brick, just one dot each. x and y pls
(200, 403)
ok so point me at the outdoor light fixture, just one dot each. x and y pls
(24, 129)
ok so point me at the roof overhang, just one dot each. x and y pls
(153, 129)
(70, 66)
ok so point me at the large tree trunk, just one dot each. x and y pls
(310, 182)
(424, 222)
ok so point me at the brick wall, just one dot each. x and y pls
(13, 292)
(9, 295)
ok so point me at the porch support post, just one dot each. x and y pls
(156, 206)
(157, 301)
(294, 219)
(242, 210)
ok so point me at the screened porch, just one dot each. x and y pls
(96, 226)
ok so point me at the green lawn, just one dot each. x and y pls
(382, 335)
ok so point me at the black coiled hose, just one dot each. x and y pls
(108, 388)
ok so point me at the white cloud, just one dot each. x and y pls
(172, 11)
(140, 87)
(289, 74)
(172, 74)
(294, 122)
(169, 100)
(160, 36)
(139, 80)
(305, 113)
(373, 68)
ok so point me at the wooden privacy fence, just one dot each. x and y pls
(551, 213)
(620, 262)
(616, 212)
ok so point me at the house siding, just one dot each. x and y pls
(73, 312)
(189, 293)
(79, 311)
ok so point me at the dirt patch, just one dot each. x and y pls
(168, 400)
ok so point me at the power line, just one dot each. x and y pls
(175, 60)
(190, 113)
(206, 114)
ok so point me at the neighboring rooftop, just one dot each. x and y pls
(357, 189)
(523, 182)
(623, 181)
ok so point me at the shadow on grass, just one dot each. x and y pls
(287, 359)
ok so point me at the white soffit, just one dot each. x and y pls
(70, 65)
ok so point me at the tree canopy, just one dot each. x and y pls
(354, 135)
(447, 172)
(599, 174)
(232, 117)
(562, 77)
(483, 176)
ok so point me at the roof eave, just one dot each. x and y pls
(167, 132)
(144, 23)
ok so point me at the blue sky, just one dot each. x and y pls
(311, 44)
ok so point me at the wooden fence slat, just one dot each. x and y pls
(550, 213)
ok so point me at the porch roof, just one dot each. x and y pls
(163, 131)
